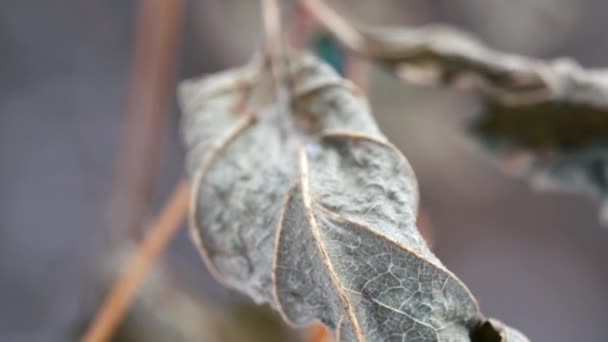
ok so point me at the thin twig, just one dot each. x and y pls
(118, 300)
(440, 55)
(357, 70)
(146, 115)
(271, 17)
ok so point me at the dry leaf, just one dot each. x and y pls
(299, 201)
(553, 115)
(556, 146)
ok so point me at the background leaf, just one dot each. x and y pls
(551, 117)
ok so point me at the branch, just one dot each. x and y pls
(442, 55)
(159, 236)
(271, 17)
(146, 115)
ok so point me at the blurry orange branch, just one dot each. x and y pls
(142, 138)
(118, 300)
(318, 333)
(146, 114)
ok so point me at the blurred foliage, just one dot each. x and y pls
(546, 125)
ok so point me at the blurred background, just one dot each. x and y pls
(538, 261)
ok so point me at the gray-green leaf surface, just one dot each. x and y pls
(299, 201)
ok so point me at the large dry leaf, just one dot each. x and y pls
(299, 201)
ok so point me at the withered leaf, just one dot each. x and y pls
(554, 145)
(300, 202)
(547, 120)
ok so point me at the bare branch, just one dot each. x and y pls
(120, 297)
(442, 55)
(146, 115)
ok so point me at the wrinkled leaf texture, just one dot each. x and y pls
(546, 120)
(299, 201)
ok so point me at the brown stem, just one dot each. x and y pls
(271, 17)
(146, 115)
(161, 233)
